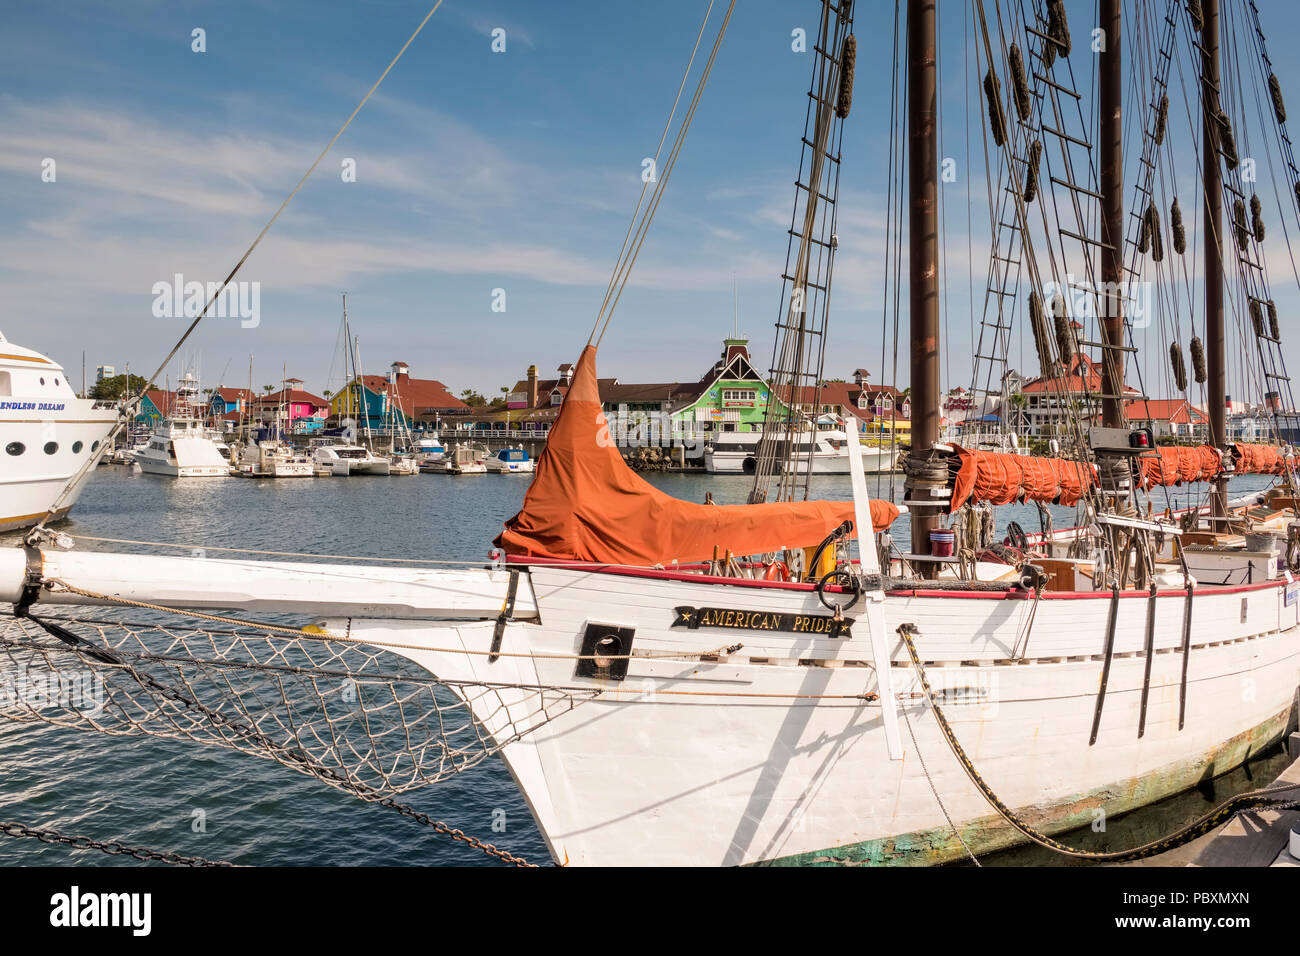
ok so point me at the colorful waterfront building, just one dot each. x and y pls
(302, 412)
(378, 402)
(154, 405)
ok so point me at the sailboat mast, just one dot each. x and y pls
(1111, 138)
(923, 242)
(1212, 175)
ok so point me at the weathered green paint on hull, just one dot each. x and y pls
(991, 833)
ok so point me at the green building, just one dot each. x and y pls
(731, 397)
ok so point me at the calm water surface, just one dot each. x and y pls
(145, 791)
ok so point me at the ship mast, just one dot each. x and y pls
(1111, 182)
(1212, 176)
(923, 243)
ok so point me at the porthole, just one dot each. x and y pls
(56, 381)
(42, 381)
(15, 448)
(94, 448)
(76, 447)
(51, 447)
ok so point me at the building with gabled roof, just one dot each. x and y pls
(1169, 417)
(1050, 401)
(377, 401)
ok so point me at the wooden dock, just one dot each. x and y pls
(1259, 838)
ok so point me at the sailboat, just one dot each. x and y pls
(736, 685)
(334, 457)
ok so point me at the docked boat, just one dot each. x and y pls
(272, 458)
(427, 451)
(465, 458)
(737, 453)
(403, 463)
(47, 433)
(336, 458)
(181, 444)
(509, 461)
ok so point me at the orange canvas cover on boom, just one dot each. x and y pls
(585, 504)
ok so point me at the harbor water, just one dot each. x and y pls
(219, 804)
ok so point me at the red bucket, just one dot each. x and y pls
(941, 542)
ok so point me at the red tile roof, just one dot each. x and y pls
(1084, 376)
(1176, 411)
(415, 395)
(290, 395)
(236, 394)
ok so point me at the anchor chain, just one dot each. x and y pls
(1249, 800)
(111, 847)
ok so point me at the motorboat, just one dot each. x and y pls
(510, 461)
(48, 432)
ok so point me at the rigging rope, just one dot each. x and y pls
(127, 408)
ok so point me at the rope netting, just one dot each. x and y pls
(358, 718)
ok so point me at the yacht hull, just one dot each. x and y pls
(31, 481)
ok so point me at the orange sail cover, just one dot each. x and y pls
(1175, 465)
(1001, 479)
(586, 504)
(1250, 459)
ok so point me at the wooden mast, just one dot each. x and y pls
(923, 242)
(1212, 176)
(1111, 139)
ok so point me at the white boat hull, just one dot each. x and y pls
(874, 461)
(741, 745)
(31, 482)
(771, 753)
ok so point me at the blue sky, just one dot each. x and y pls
(475, 171)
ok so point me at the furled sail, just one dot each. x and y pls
(1252, 459)
(586, 504)
(1000, 479)
(1173, 465)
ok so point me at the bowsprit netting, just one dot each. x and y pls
(356, 717)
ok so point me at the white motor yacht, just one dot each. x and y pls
(46, 433)
(736, 453)
(181, 445)
(510, 461)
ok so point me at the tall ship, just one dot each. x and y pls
(47, 433)
(904, 678)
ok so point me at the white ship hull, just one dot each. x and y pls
(771, 753)
(31, 482)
